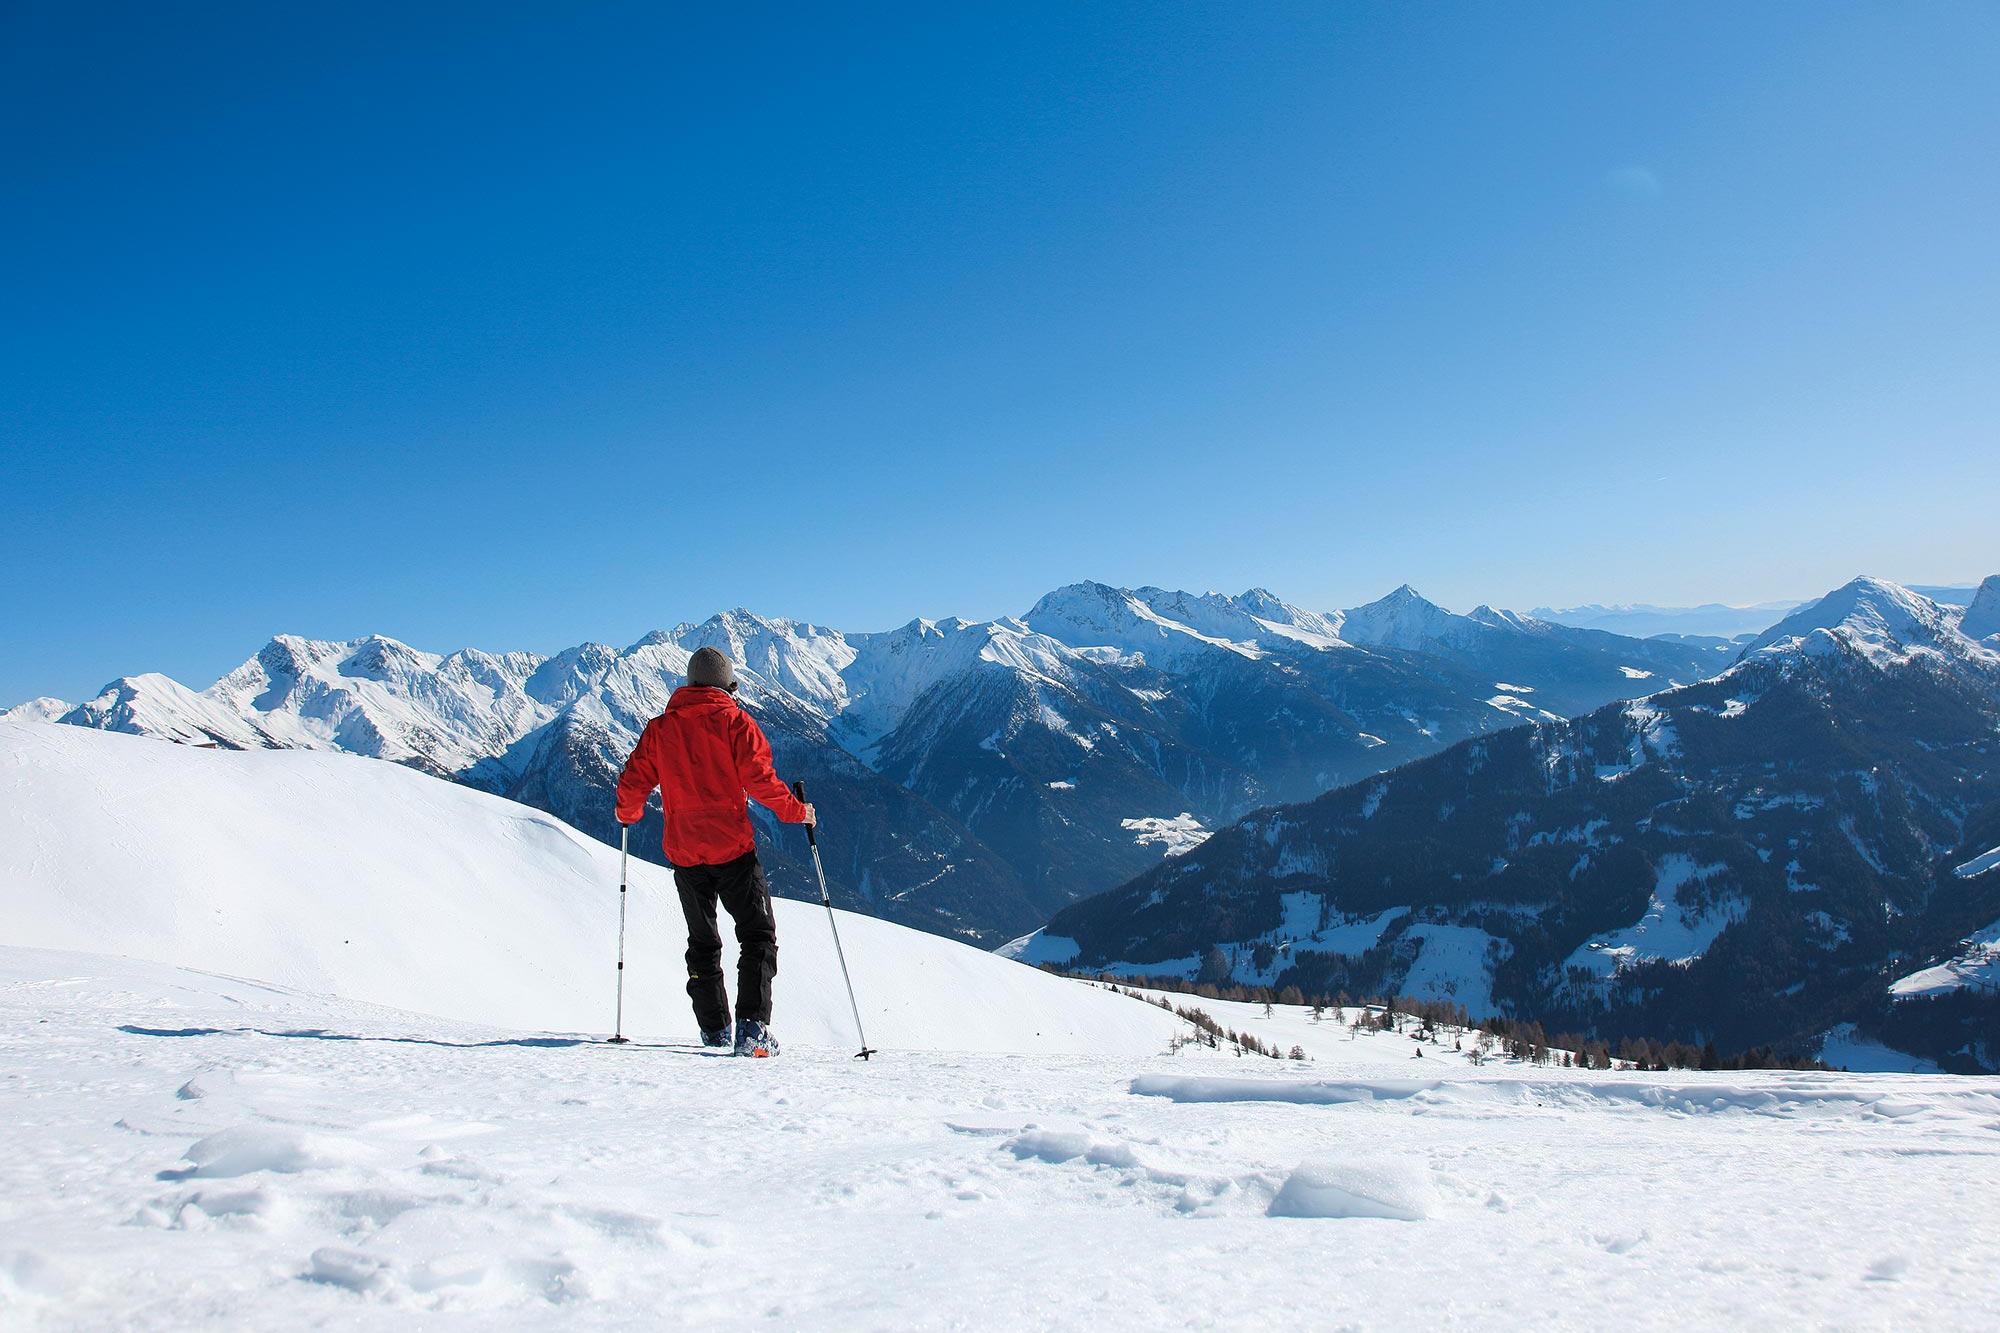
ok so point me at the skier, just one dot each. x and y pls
(704, 753)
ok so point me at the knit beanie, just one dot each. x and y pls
(710, 666)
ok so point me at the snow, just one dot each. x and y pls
(1299, 930)
(1845, 1048)
(1405, 619)
(1452, 964)
(331, 874)
(1884, 623)
(1518, 707)
(1979, 864)
(1097, 615)
(1400, 1190)
(1667, 930)
(1634, 673)
(1038, 947)
(194, 1150)
(337, 1082)
(1977, 964)
(1981, 618)
(1174, 834)
(43, 709)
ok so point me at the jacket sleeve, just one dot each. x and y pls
(755, 772)
(636, 783)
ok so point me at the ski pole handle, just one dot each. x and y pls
(812, 834)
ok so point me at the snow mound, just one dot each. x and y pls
(1402, 1191)
(335, 875)
(246, 1149)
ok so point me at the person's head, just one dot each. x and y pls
(711, 666)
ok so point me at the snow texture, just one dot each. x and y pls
(189, 1150)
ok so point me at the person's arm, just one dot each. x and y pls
(759, 778)
(636, 783)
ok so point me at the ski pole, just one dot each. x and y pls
(812, 841)
(624, 852)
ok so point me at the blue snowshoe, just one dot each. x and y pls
(754, 1039)
(715, 1036)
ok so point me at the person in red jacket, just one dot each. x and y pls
(704, 754)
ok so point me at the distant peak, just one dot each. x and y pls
(1880, 619)
(1982, 618)
(1404, 597)
(1087, 593)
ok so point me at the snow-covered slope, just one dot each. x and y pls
(1982, 618)
(192, 1151)
(328, 874)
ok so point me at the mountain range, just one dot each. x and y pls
(1710, 620)
(1809, 838)
(975, 776)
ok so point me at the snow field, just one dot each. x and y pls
(192, 1150)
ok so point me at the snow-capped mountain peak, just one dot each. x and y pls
(1514, 620)
(1403, 619)
(1096, 615)
(1883, 622)
(151, 704)
(1982, 618)
(43, 709)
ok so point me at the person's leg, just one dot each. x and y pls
(747, 895)
(697, 885)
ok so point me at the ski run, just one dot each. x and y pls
(295, 1040)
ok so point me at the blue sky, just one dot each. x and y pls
(514, 328)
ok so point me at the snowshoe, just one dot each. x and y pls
(715, 1036)
(754, 1039)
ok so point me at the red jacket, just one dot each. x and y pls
(704, 753)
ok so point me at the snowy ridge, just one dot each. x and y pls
(1981, 619)
(43, 709)
(1091, 615)
(329, 875)
(1884, 623)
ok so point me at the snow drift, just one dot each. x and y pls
(337, 875)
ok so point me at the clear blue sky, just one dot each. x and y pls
(513, 327)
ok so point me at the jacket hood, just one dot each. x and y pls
(700, 696)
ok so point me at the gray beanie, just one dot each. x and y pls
(710, 666)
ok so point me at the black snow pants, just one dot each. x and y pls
(741, 888)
